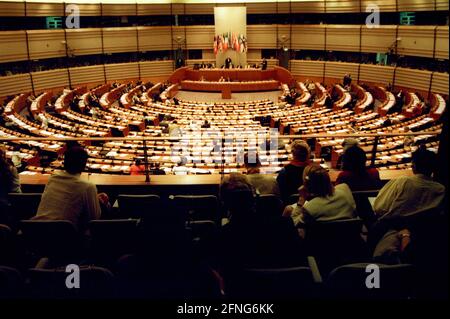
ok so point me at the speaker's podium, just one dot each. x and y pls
(226, 92)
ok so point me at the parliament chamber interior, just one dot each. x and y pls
(224, 150)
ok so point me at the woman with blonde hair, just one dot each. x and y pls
(319, 200)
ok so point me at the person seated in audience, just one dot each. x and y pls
(181, 168)
(251, 241)
(411, 195)
(263, 184)
(174, 129)
(9, 178)
(290, 178)
(176, 101)
(355, 173)
(408, 140)
(156, 169)
(69, 197)
(206, 124)
(319, 200)
(329, 101)
(137, 168)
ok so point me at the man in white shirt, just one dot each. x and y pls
(409, 195)
(67, 196)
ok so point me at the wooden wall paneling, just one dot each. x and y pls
(307, 68)
(44, 44)
(156, 68)
(377, 74)
(440, 83)
(122, 71)
(416, 40)
(42, 9)
(87, 74)
(89, 9)
(442, 5)
(12, 9)
(147, 9)
(196, 8)
(335, 71)
(110, 9)
(343, 38)
(308, 37)
(384, 5)
(13, 46)
(262, 36)
(377, 40)
(441, 50)
(412, 78)
(154, 38)
(308, 7)
(14, 84)
(50, 79)
(199, 37)
(415, 5)
(339, 6)
(261, 7)
(84, 41)
(117, 40)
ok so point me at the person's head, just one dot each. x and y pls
(237, 195)
(137, 162)
(300, 150)
(317, 181)
(423, 161)
(349, 142)
(354, 159)
(252, 162)
(75, 159)
(406, 129)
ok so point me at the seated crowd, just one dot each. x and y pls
(184, 256)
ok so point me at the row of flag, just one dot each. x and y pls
(230, 41)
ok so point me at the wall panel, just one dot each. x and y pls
(416, 41)
(146, 9)
(307, 68)
(117, 40)
(412, 78)
(382, 75)
(308, 37)
(442, 42)
(156, 68)
(415, 5)
(154, 38)
(50, 79)
(442, 4)
(337, 70)
(119, 9)
(93, 9)
(377, 40)
(12, 9)
(199, 37)
(13, 46)
(87, 74)
(84, 41)
(339, 6)
(343, 38)
(308, 7)
(121, 71)
(260, 8)
(440, 83)
(384, 5)
(193, 8)
(46, 44)
(262, 36)
(13, 84)
(36, 9)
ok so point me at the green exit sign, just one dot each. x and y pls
(54, 22)
(407, 18)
